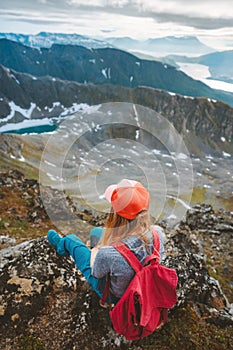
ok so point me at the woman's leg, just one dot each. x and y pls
(80, 253)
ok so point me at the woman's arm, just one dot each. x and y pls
(102, 262)
(94, 252)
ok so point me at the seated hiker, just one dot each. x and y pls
(127, 222)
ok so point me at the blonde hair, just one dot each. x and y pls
(117, 228)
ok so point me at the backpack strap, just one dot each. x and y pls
(132, 259)
(156, 250)
(106, 293)
(128, 255)
(155, 256)
(156, 241)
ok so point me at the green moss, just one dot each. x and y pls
(30, 343)
(186, 330)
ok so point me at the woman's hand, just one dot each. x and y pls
(94, 252)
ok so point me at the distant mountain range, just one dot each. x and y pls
(188, 45)
(102, 66)
(45, 39)
(220, 64)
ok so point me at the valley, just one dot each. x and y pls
(183, 143)
(90, 150)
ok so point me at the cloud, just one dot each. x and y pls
(196, 22)
(162, 10)
(199, 14)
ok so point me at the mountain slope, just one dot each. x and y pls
(202, 123)
(101, 66)
(220, 65)
(205, 127)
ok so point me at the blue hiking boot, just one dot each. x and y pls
(56, 241)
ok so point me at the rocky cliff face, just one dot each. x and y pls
(45, 303)
(102, 66)
(202, 123)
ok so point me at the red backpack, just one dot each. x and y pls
(145, 303)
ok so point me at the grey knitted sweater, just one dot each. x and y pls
(109, 261)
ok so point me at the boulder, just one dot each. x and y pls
(46, 303)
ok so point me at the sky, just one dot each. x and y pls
(210, 20)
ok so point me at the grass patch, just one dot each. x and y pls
(16, 221)
(187, 331)
(198, 195)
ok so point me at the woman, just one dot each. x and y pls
(128, 222)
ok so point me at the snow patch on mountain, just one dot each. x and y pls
(15, 108)
(32, 122)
